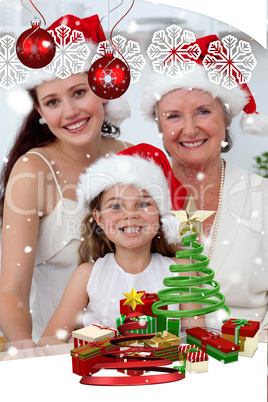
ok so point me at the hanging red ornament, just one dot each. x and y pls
(109, 77)
(35, 47)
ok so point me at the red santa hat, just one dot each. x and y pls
(236, 100)
(144, 166)
(115, 110)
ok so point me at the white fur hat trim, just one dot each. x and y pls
(159, 85)
(125, 170)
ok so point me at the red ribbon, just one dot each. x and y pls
(95, 344)
(167, 375)
(149, 296)
(205, 338)
(98, 344)
(106, 327)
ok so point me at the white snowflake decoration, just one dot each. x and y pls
(108, 78)
(229, 63)
(71, 52)
(11, 69)
(173, 52)
(130, 50)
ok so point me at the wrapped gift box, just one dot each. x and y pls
(183, 348)
(148, 300)
(194, 360)
(167, 323)
(173, 326)
(92, 333)
(243, 333)
(85, 357)
(163, 340)
(151, 324)
(215, 346)
(170, 353)
(165, 346)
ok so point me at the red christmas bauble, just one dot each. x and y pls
(109, 77)
(35, 47)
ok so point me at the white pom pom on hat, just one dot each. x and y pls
(236, 100)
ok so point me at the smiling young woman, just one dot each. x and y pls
(68, 128)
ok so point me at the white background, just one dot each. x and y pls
(50, 378)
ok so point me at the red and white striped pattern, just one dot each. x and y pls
(184, 348)
(195, 357)
(79, 342)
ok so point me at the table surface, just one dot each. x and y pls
(50, 378)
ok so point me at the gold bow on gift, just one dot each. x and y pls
(164, 339)
(162, 335)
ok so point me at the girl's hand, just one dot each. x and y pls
(24, 349)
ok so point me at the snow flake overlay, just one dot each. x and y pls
(130, 50)
(12, 71)
(173, 52)
(71, 52)
(229, 63)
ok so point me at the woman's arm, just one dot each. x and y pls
(19, 239)
(70, 310)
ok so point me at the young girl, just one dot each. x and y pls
(41, 219)
(128, 233)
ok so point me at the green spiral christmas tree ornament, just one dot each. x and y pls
(202, 289)
(186, 289)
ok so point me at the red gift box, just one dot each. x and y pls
(248, 329)
(215, 346)
(197, 356)
(192, 353)
(184, 348)
(243, 333)
(146, 309)
(85, 357)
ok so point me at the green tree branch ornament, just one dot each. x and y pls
(189, 289)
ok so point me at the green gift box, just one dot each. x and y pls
(212, 344)
(151, 324)
(172, 325)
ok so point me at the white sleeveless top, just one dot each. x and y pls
(56, 258)
(108, 281)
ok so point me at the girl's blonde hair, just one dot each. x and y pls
(95, 244)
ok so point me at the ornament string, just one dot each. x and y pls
(25, 40)
(25, 7)
(36, 20)
(110, 11)
(111, 32)
(35, 9)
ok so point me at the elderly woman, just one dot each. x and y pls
(194, 116)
